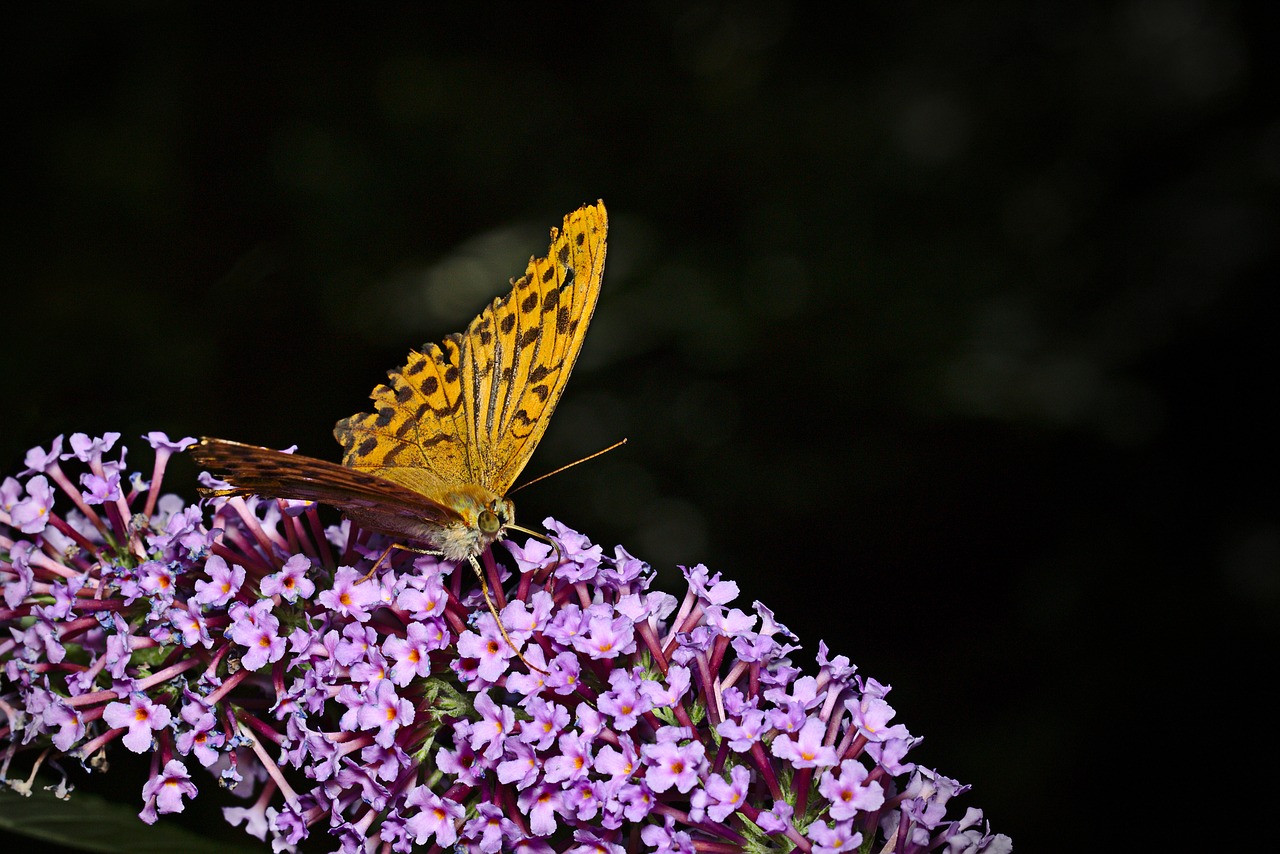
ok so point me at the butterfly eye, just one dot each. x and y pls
(488, 522)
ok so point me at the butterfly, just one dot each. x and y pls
(453, 427)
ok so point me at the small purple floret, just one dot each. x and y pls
(388, 709)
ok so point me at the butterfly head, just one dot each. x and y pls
(494, 518)
(481, 518)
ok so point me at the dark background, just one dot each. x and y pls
(947, 331)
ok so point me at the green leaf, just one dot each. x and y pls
(91, 823)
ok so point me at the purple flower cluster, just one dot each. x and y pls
(391, 712)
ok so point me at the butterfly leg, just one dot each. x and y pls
(377, 563)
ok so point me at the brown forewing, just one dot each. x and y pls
(253, 470)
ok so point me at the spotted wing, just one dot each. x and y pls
(416, 435)
(518, 354)
(472, 409)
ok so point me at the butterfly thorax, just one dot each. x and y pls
(482, 518)
(485, 517)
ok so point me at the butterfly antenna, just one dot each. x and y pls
(617, 444)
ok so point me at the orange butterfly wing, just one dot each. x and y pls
(472, 410)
